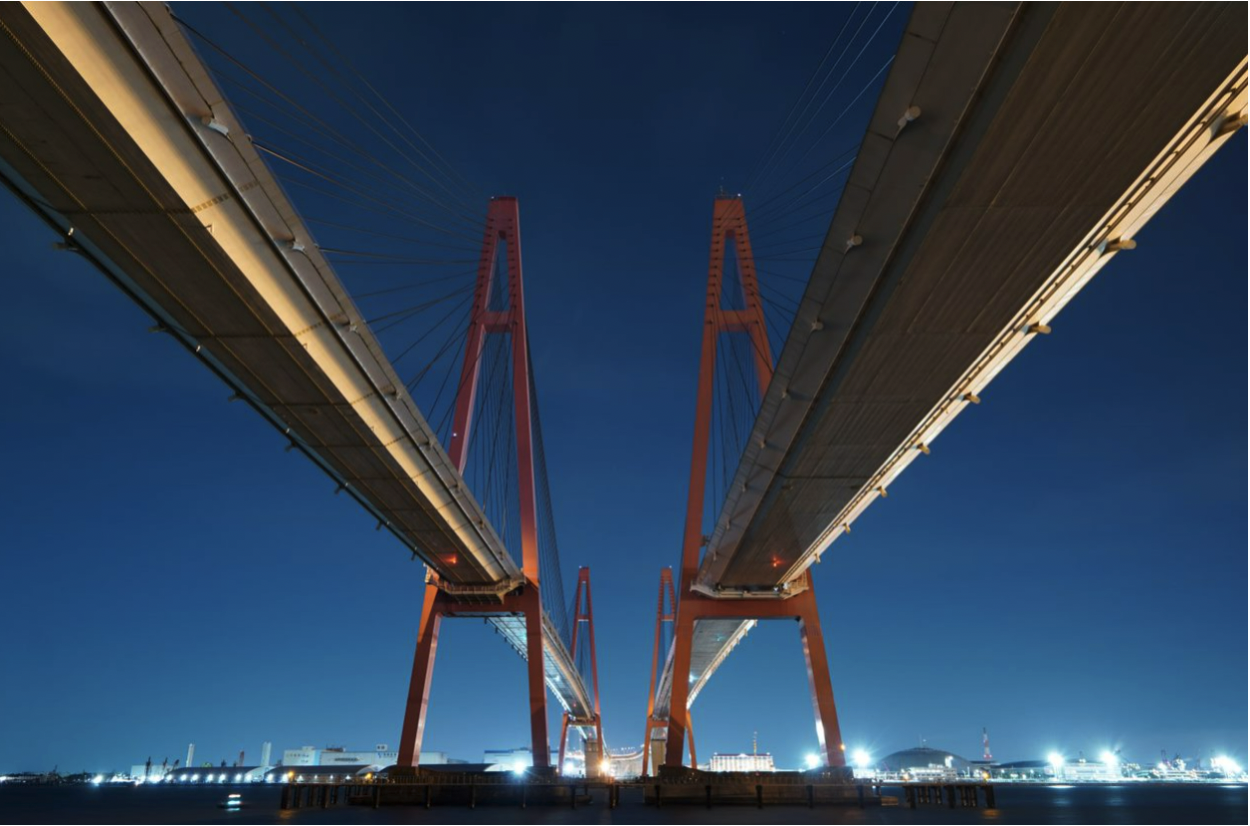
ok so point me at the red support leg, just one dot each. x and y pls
(828, 733)
(564, 741)
(419, 685)
(678, 713)
(661, 616)
(694, 760)
(536, 681)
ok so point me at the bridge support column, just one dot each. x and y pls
(537, 684)
(664, 612)
(584, 612)
(828, 732)
(419, 685)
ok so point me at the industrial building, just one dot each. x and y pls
(742, 763)
(924, 763)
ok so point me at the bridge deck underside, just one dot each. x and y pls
(64, 152)
(1075, 103)
(65, 144)
(1103, 91)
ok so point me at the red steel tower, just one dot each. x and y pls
(729, 226)
(441, 599)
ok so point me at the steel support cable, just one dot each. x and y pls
(731, 437)
(750, 391)
(394, 259)
(445, 422)
(458, 336)
(496, 382)
(787, 227)
(342, 139)
(776, 330)
(414, 286)
(733, 414)
(463, 196)
(548, 537)
(824, 210)
(312, 76)
(778, 175)
(757, 170)
(778, 255)
(764, 205)
(434, 406)
(394, 177)
(313, 168)
(779, 307)
(555, 574)
(778, 208)
(780, 296)
(367, 208)
(487, 418)
(398, 209)
(717, 437)
(772, 274)
(311, 125)
(798, 204)
(449, 169)
(389, 235)
(807, 239)
(829, 96)
(408, 312)
(429, 330)
(845, 109)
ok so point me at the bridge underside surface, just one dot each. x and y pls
(978, 220)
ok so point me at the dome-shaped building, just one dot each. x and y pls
(910, 760)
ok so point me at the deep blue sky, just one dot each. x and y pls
(1067, 568)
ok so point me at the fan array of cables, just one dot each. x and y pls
(402, 227)
(790, 196)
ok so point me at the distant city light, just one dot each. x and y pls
(861, 758)
(569, 768)
(98, 779)
(813, 761)
(1110, 759)
(519, 767)
(606, 766)
(1226, 764)
(1055, 759)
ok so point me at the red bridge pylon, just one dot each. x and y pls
(443, 598)
(593, 761)
(665, 611)
(729, 226)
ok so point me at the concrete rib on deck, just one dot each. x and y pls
(979, 220)
(111, 127)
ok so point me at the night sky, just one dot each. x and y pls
(1067, 568)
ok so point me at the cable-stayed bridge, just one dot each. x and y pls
(115, 133)
(1014, 150)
